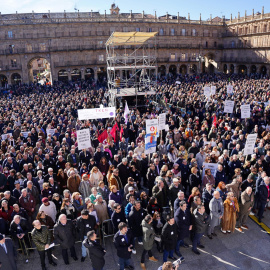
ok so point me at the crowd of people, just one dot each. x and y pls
(53, 193)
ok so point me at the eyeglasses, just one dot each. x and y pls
(118, 208)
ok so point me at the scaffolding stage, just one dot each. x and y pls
(131, 64)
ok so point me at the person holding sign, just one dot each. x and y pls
(42, 239)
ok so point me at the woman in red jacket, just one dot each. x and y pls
(5, 211)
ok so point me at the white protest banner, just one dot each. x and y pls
(25, 133)
(162, 121)
(150, 144)
(229, 89)
(213, 90)
(83, 138)
(152, 126)
(5, 136)
(245, 111)
(86, 114)
(207, 91)
(212, 166)
(167, 127)
(50, 131)
(228, 106)
(250, 144)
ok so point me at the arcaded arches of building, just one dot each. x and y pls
(71, 46)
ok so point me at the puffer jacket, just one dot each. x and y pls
(42, 238)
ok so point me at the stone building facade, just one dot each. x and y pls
(74, 43)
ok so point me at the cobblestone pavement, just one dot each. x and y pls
(247, 250)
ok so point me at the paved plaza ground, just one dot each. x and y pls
(247, 250)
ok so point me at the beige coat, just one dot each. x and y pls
(229, 216)
(234, 187)
(102, 211)
(246, 202)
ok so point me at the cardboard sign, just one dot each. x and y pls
(83, 138)
(245, 111)
(228, 106)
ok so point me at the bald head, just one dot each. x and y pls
(248, 190)
(216, 194)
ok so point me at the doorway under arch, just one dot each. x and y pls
(173, 70)
(16, 79)
(102, 74)
(193, 69)
(39, 71)
(3, 80)
(183, 69)
(263, 70)
(162, 70)
(62, 75)
(225, 68)
(89, 74)
(75, 75)
(242, 70)
(231, 68)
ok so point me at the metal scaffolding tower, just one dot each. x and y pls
(131, 64)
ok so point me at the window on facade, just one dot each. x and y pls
(193, 56)
(206, 44)
(161, 31)
(100, 42)
(193, 32)
(11, 48)
(233, 44)
(101, 58)
(215, 44)
(255, 29)
(10, 34)
(42, 46)
(183, 57)
(172, 32)
(13, 62)
(240, 31)
(150, 29)
(173, 56)
(29, 47)
(265, 28)
(125, 29)
(246, 31)
(138, 29)
(183, 32)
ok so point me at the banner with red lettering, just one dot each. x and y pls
(96, 113)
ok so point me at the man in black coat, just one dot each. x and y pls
(118, 216)
(124, 171)
(136, 216)
(151, 176)
(182, 219)
(7, 254)
(85, 224)
(263, 197)
(96, 251)
(169, 238)
(64, 233)
(123, 242)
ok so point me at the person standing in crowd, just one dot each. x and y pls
(96, 251)
(169, 238)
(85, 223)
(263, 197)
(235, 186)
(182, 219)
(123, 240)
(201, 222)
(135, 219)
(246, 204)
(148, 240)
(64, 233)
(231, 208)
(118, 216)
(8, 254)
(42, 239)
(216, 208)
